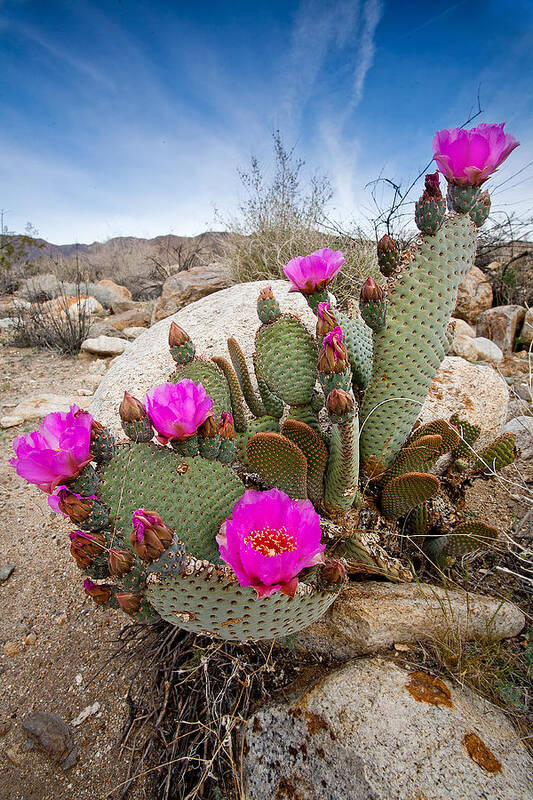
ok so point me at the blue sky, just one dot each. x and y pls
(131, 118)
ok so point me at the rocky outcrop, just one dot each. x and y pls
(188, 286)
(475, 391)
(474, 296)
(526, 334)
(378, 731)
(372, 616)
(138, 317)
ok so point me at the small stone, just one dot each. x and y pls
(83, 715)
(30, 639)
(11, 421)
(104, 346)
(522, 427)
(486, 350)
(61, 618)
(11, 649)
(78, 679)
(133, 332)
(15, 756)
(50, 734)
(5, 726)
(6, 571)
(474, 296)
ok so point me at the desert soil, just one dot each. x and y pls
(62, 639)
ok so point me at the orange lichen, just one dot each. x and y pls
(429, 689)
(480, 753)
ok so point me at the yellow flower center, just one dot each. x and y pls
(271, 541)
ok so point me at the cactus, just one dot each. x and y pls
(409, 351)
(154, 521)
(466, 537)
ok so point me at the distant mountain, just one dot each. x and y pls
(127, 256)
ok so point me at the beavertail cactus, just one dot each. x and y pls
(247, 513)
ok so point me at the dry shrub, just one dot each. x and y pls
(279, 220)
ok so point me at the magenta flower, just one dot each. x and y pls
(176, 410)
(312, 273)
(470, 157)
(57, 452)
(269, 540)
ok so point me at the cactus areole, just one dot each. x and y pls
(244, 518)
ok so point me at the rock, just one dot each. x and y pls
(6, 571)
(89, 306)
(114, 293)
(10, 306)
(49, 733)
(30, 639)
(10, 421)
(5, 726)
(462, 328)
(474, 296)
(104, 346)
(140, 317)
(118, 306)
(7, 324)
(487, 351)
(11, 649)
(103, 328)
(58, 305)
(15, 756)
(464, 347)
(133, 332)
(373, 730)
(85, 714)
(188, 286)
(526, 334)
(373, 616)
(523, 428)
(209, 322)
(501, 324)
(518, 408)
(475, 391)
(43, 404)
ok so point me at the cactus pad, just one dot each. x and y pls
(315, 451)
(287, 357)
(343, 467)
(468, 433)
(497, 455)
(406, 492)
(467, 536)
(409, 351)
(237, 400)
(264, 424)
(418, 456)
(193, 496)
(358, 340)
(273, 404)
(207, 599)
(279, 462)
(438, 427)
(86, 482)
(241, 368)
(212, 379)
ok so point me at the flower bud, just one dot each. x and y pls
(119, 562)
(225, 426)
(333, 356)
(85, 546)
(340, 403)
(432, 187)
(99, 593)
(266, 294)
(208, 429)
(325, 320)
(74, 506)
(333, 572)
(371, 292)
(388, 255)
(129, 602)
(177, 336)
(131, 409)
(150, 536)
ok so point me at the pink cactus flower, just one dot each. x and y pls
(312, 273)
(269, 540)
(57, 452)
(176, 410)
(470, 157)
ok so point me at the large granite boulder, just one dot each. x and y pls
(526, 334)
(209, 322)
(376, 731)
(188, 286)
(475, 391)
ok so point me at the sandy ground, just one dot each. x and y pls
(62, 639)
